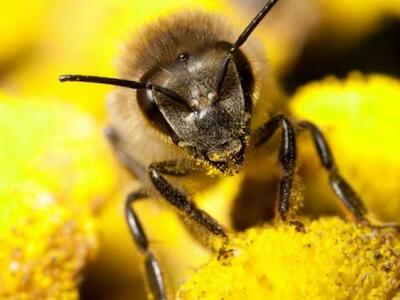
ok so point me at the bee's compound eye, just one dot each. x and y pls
(183, 57)
(153, 114)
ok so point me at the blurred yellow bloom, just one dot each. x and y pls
(56, 172)
(56, 146)
(356, 18)
(20, 29)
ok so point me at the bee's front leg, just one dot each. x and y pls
(179, 199)
(287, 159)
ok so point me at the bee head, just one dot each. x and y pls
(210, 114)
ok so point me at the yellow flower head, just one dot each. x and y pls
(331, 260)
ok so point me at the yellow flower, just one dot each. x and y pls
(44, 245)
(331, 260)
(56, 172)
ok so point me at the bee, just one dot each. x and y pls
(193, 103)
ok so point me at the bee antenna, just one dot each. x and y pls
(241, 40)
(124, 83)
(253, 24)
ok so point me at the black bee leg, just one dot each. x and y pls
(174, 196)
(156, 282)
(154, 275)
(287, 159)
(178, 198)
(352, 202)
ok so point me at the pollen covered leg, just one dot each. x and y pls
(180, 200)
(287, 159)
(155, 280)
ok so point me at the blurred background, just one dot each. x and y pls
(57, 170)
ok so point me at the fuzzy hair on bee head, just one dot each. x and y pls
(161, 41)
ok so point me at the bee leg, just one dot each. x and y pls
(179, 199)
(154, 276)
(342, 189)
(173, 168)
(287, 159)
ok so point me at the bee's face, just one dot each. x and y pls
(212, 127)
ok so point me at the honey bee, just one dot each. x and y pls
(193, 103)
